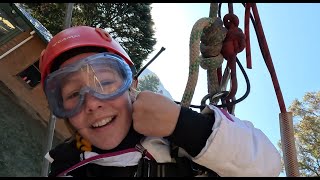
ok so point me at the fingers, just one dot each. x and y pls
(154, 114)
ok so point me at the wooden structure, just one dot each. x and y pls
(22, 38)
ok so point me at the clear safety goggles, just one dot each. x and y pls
(104, 76)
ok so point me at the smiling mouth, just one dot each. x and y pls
(103, 122)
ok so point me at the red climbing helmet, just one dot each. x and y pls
(74, 37)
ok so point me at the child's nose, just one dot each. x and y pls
(92, 103)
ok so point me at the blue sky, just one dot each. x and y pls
(291, 30)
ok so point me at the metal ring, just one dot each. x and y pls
(213, 96)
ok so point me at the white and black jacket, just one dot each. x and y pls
(213, 144)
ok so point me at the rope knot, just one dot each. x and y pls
(235, 38)
(212, 39)
(212, 62)
(230, 21)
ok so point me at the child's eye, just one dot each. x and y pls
(73, 95)
(106, 83)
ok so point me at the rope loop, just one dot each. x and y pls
(212, 62)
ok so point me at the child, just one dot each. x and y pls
(88, 80)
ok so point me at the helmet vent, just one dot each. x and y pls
(104, 34)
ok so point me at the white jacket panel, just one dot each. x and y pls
(237, 148)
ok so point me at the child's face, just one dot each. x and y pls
(96, 112)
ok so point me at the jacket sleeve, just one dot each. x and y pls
(236, 148)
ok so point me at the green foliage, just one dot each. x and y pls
(307, 133)
(149, 82)
(50, 15)
(130, 24)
